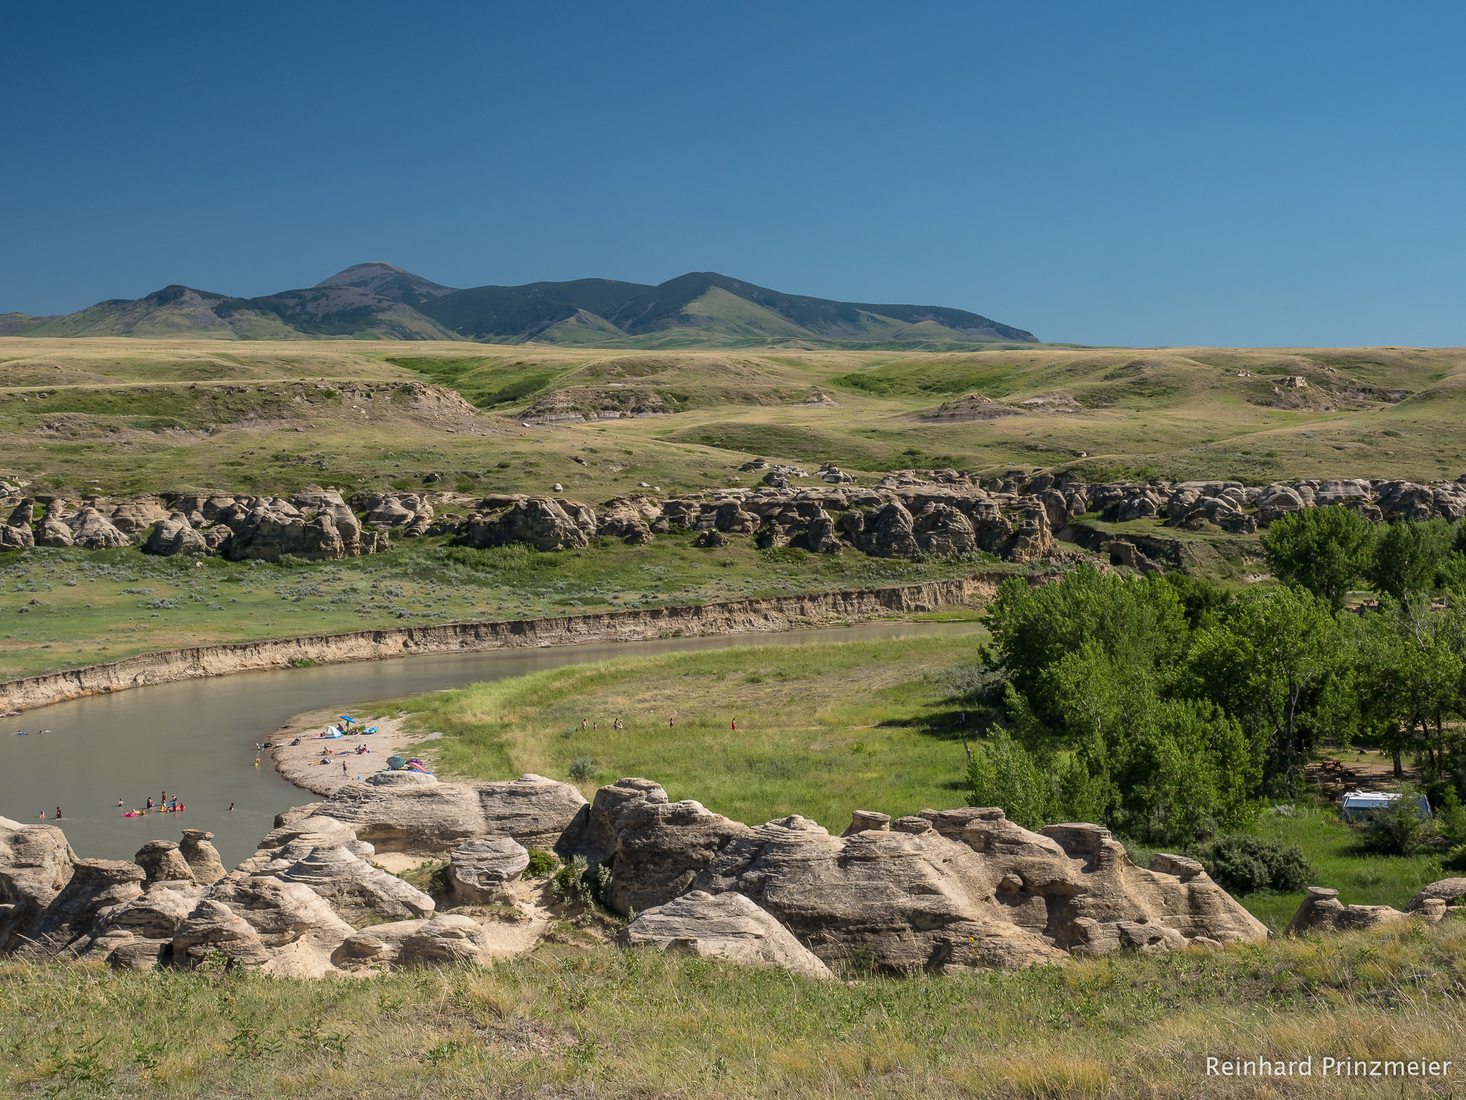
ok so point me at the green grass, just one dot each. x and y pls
(583, 1022)
(126, 416)
(1333, 848)
(822, 729)
(63, 608)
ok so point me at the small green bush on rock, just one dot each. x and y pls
(542, 864)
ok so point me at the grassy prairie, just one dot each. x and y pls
(593, 1022)
(120, 415)
(822, 730)
(62, 608)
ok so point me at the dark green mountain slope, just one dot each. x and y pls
(377, 300)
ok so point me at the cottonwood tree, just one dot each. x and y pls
(1268, 663)
(1408, 558)
(1325, 550)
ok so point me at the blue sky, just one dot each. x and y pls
(1123, 173)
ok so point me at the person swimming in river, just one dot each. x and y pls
(149, 804)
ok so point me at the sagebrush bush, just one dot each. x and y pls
(582, 768)
(1243, 864)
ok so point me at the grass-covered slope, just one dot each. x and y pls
(63, 608)
(823, 729)
(593, 1022)
(132, 415)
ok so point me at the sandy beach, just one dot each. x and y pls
(315, 764)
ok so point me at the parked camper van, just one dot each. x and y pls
(1362, 805)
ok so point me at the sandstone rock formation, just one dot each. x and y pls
(939, 891)
(933, 512)
(414, 813)
(1322, 911)
(481, 870)
(656, 847)
(722, 926)
(162, 861)
(1450, 891)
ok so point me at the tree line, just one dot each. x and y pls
(1172, 708)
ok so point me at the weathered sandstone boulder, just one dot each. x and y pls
(134, 516)
(540, 522)
(450, 939)
(424, 817)
(722, 926)
(16, 537)
(1322, 911)
(887, 532)
(1451, 891)
(95, 886)
(355, 889)
(175, 535)
(162, 861)
(654, 847)
(198, 851)
(36, 864)
(215, 929)
(482, 870)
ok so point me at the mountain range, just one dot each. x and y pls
(380, 301)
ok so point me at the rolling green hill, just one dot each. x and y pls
(272, 416)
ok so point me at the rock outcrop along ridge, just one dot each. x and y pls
(940, 891)
(935, 513)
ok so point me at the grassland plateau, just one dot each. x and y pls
(883, 726)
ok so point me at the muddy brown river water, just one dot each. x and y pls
(196, 738)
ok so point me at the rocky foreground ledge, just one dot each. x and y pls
(939, 891)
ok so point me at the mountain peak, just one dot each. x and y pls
(377, 299)
(387, 281)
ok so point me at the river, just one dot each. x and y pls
(196, 738)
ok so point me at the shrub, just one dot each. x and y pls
(1399, 829)
(541, 864)
(582, 768)
(1245, 864)
(1002, 773)
(576, 884)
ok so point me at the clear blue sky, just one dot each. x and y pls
(1124, 173)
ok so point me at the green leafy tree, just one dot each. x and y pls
(1003, 773)
(1269, 664)
(1408, 558)
(1183, 772)
(1080, 644)
(1325, 550)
